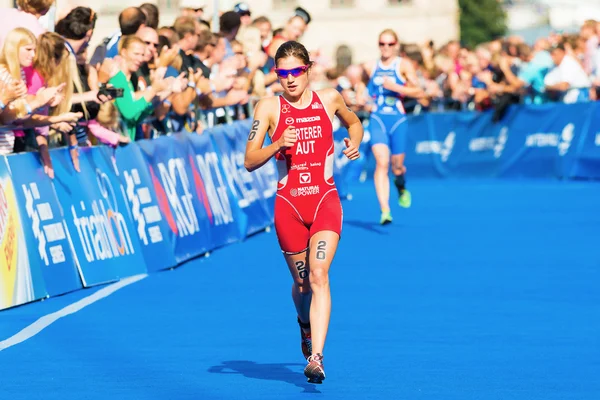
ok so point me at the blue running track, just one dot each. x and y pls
(482, 290)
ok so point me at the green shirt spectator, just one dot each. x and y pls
(132, 110)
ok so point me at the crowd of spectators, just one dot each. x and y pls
(149, 79)
(564, 67)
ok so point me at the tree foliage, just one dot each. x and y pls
(481, 21)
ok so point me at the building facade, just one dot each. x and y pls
(352, 23)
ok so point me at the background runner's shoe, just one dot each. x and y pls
(306, 344)
(386, 218)
(314, 371)
(306, 340)
(405, 199)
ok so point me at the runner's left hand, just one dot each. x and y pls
(351, 150)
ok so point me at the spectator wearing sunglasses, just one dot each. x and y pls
(141, 78)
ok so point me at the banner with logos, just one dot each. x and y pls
(266, 176)
(21, 279)
(157, 203)
(170, 160)
(44, 226)
(249, 189)
(103, 236)
(146, 198)
(226, 218)
(535, 141)
(586, 151)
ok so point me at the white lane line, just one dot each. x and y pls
(47, 320)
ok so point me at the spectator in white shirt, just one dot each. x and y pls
(568, 80)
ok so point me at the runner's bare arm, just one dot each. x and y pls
(256, 154)
(347, 117)
(413, 87)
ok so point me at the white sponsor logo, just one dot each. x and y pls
(215, 187)
(315, 164)
(561, 141)
(305, 191)
(144, 212)
(45, 233)
(239, 179)
(102, 230)
(566, 138)
(305, 178)
(308, 119)
(183, 209)
(488, 143)
(444, 149)
(285, 108)
(317, 106)
(289, 121)
(299, 167)
(242, 183)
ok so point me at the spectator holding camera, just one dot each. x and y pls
(77, 28)
(135, 106)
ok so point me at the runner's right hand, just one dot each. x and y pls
(288, 138)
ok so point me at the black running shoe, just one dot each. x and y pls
(305, 340)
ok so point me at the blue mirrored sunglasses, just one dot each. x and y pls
(295, 72)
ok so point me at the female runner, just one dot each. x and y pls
(392, 78)
(308, 211)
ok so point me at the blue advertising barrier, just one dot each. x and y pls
(144, 207)
(586, 152)
(155, 204)
(45, 229)
(169, 160)
(226, 218)
(21, 278)
(547, 141)
(103, 236)
(266, 176)
(246, 186)
(154, 232)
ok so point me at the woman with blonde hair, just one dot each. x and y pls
(52, 66)
(16, 61)
(391, 79)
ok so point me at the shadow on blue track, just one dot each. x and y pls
(270, 372)
(369, 226)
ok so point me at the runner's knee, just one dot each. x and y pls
(398, 170)
(319, 276)
(382, 163)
